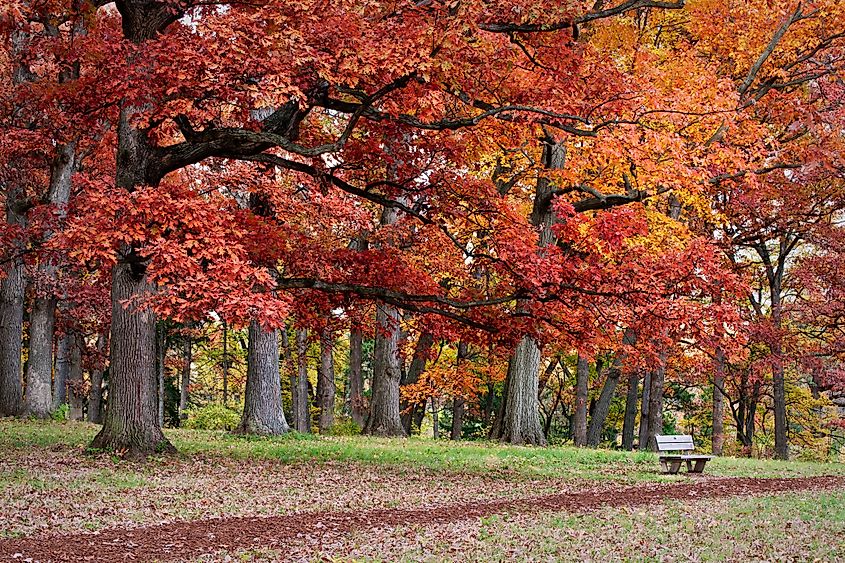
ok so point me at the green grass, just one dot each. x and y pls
(474, 457)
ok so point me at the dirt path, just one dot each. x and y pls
(189, 539)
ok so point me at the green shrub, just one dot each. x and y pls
(344, 427)
(62, 413)
(212, 416)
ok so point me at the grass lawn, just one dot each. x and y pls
(50, 485)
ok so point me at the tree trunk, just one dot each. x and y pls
(719, 403)
(779, 392)
(95, 396)
(520, 423)
(131, 421)
(326, 382)
(357, 408)
(630, 411)
(602, 405)
(75, 381)
(417, 367)
(642, 436)
(63, 352)
(263, 414)
(435, 419)
(302, 415)
(185, 385)
(11, 319)
(457, 402)
(655, 406)
(225, 362)
(384, 418)
(582, 383)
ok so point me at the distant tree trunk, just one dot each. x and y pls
(301, 417)
(63, 352)
(161, 355)
(225, 363)
(75, 381)
(582, 383)
(779, 393)
(263, 412)
(630, 421)
(356, 376)
(95, 396)
(602, 405)
(718, 403)
(12, 286)
(646, 401)
(435, 418)
(384, 418)
(655, 407)
(325, 382)
(185, 385)
(457, 402)
(410, 414)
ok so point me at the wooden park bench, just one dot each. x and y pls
(671, 463)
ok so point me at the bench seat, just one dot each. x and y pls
(671, 463)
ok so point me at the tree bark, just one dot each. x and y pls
(263, 414)
(161, 355)
(357, 408)
(457, 402)
(384, 418)
(95, 396)
(630, 421)
(302, 416)
(718, 439)
(225, 362)
(326, 382)
(582, 382)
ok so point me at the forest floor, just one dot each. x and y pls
(346, 499)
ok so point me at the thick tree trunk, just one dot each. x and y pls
(630, 421)
(75, 381)
(415, 370)
(582, 383)
(131, 421)
(326, 382)
(384, 418)
(62, 370)
(718, 440)
(520, 423)
(263, 414)
(642, 436)
(95, 395)
(161, 356)
(39, 369)
(357, 408)
(42, 318)
(302, 415)
(11, 320)
(185, 385)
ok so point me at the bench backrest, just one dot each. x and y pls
(681, 442)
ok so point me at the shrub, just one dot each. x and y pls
(62, 413)
(212, 416)
(344, 427)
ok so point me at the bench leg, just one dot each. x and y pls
(699, 466)
(675, 466)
